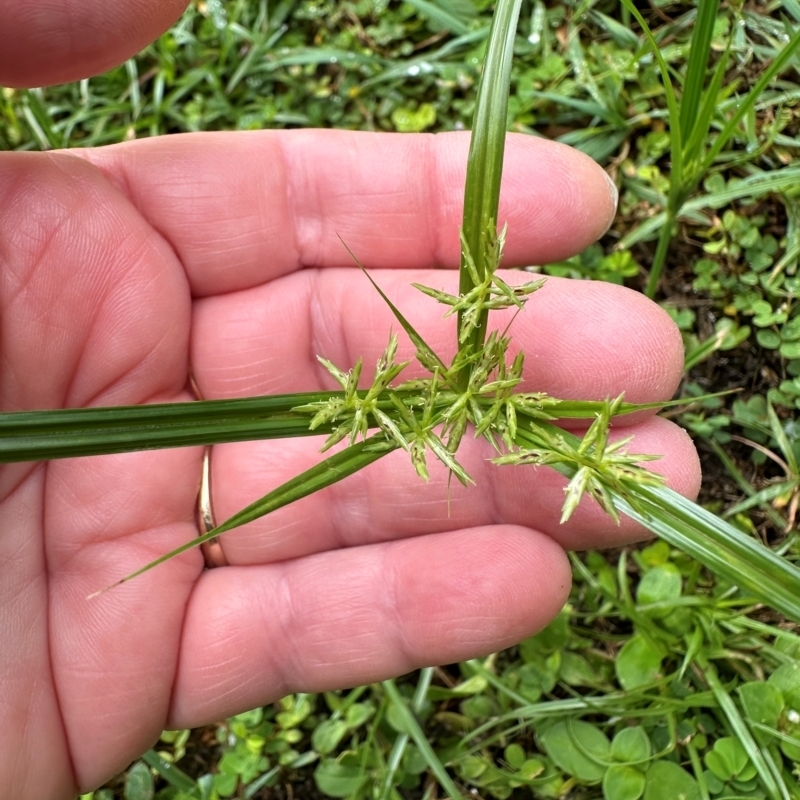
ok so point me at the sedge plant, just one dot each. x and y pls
(698, 131)
(476, 393)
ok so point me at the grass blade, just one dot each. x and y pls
(441, 17)
(744, 107)
(487, 147)
(770, 777)
(699, 51)
(421, 741)
(423, 348)
(67, 433)
(676, 140)
(401, 742)
(169, 772)
(719, 546)
(326, 473)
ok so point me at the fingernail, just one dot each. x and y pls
(613, 190)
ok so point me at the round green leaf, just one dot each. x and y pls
(762, 703)
(532, 768)
(790, 349)
(728, 759)
(338, 780)
(578, 748)
(631, 745)
(515, 755)
(139, 782)
(667, 781)
(786, 679)
(768, 339)
(622, 782)
(327, 735)
(638, 662)
(358, 714)
(659, 584)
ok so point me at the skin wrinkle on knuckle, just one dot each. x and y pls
(396, 615)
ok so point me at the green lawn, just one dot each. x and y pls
(657, 680)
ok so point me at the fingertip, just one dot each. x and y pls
(590, 340)
(681, 467)
(574, 211)
(502, 582)
(55, 41)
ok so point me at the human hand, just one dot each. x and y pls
(124, 266)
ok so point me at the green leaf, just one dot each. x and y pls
(762, 761)
(515, 755)
(786, 679)
(335, 779)
(358, 714)
(718, 545)
(762, 703)
(139, 783)
(631, 745)
(785, 54)
(443, 18)
(579, 748)
(638, 662)
(668, 781)
(326, 473)
(623, 783)
(168, 771)
(429, 356)
(487, 146)
(659, 585)
(728, 760)
(67, 433)
(699, 51)
(410, 725)
(328, 734)
(551, 638)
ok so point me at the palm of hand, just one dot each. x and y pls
(117, 276)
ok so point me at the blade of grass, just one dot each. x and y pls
(67, 433)
(774, 517)
(699, 51)
(421, 741)
(441, 17)
(770, 777)
(719, 546)
(744, 107)
(170, 773)
(416, 338)
(695, 138)
(326, 473)
(74, 432)
(401, 742)
(676, 140)
(487, 146)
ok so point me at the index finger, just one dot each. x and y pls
(241, 209)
